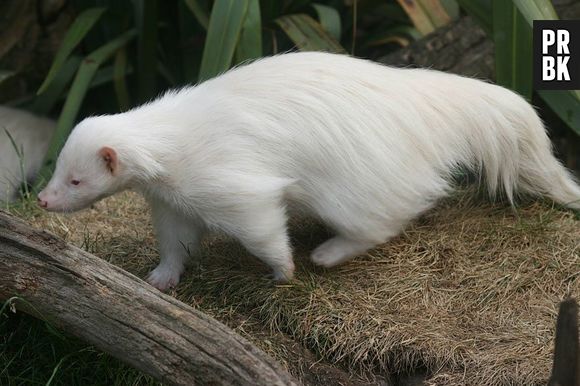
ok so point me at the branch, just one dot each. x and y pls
(122, 315)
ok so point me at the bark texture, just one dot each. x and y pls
(462, 47)
(122, 315)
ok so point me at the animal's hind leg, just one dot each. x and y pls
(356, 235)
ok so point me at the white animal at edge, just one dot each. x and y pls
(31, 135)
(364, 147)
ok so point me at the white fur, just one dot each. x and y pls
(32, 135)
(364, 147)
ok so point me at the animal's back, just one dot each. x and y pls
(332, 122)
(329, 121)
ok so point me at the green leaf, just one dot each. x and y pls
(120, 79)
(565, 103)
(329, 19)
(513, 48)
(225, 25)
(308, 34)
(536, 10)
(199, 12)
(45, 102)
(146, 20)
(74, 99)
(250, 43)
(76, 32)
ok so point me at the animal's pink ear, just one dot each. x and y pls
(109, 156)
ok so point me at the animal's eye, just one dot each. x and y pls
(75, 182)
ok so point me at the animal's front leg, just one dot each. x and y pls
(178, 237)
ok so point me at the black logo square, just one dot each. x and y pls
(557, 54)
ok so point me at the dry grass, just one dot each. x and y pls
(469, 292)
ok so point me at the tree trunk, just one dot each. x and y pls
(122, 315)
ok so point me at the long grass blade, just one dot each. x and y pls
(75, 34)
(250, 43)
(308, 34)
(329, 19)
(21, 160)
(74, 100)
(106, 75)
(513, 48)
(536, 10)
(225, 25)
(45, 102)
(120, 79)
(198, 12)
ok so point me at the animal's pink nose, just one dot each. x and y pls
(42, 203)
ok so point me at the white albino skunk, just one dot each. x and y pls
(31, 135)
(364, 147)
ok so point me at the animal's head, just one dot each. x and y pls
(87, 170)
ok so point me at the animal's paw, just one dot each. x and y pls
(324, 256)
(282, 275)
(337, 250)
(163, 278)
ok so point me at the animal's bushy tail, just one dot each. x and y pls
(540, 172)
(516, 155)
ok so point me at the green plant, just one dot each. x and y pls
(19, 150)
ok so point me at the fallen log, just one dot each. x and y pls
(122, 315)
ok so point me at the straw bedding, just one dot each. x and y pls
(467, 295)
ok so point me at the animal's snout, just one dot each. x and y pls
(41, 200)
